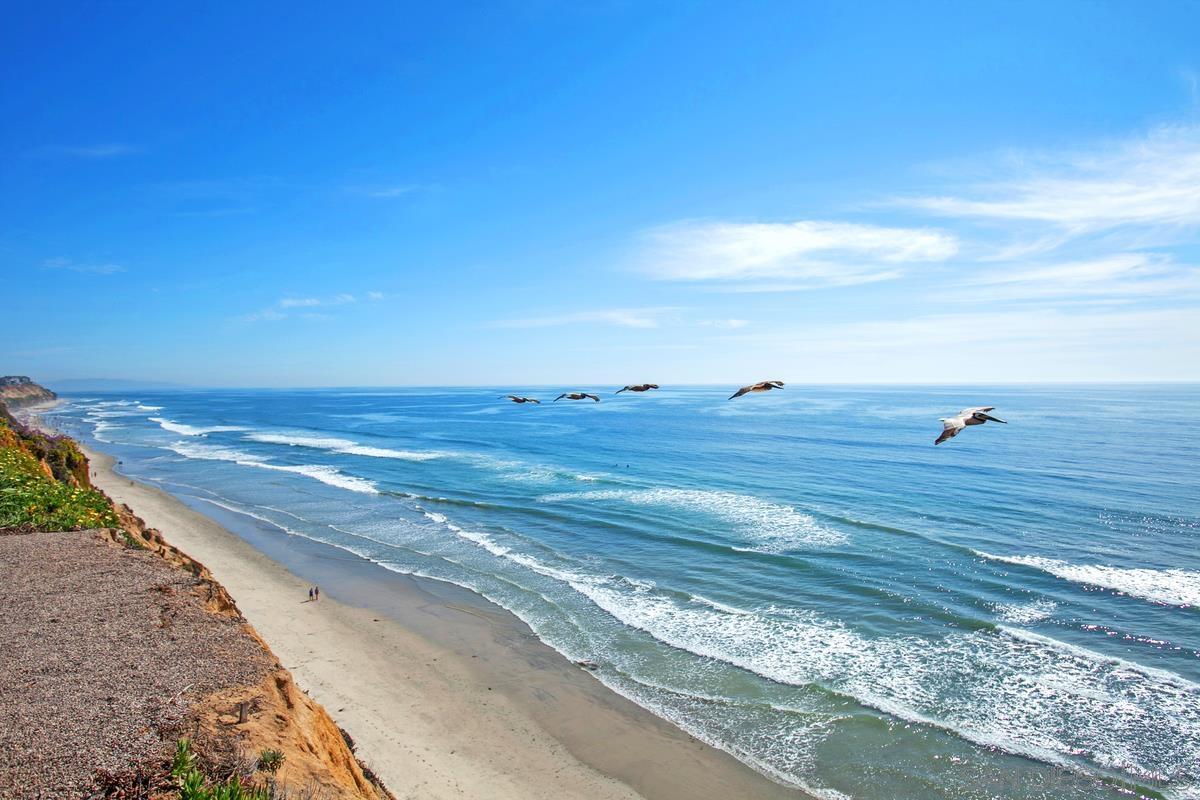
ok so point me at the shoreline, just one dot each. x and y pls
(446, 694)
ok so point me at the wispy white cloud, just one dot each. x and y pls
(267, 314)
(620, 317)
(83, 268)
(107, 150)
(1121, 275)
(289, 306)
(311, 302)
(387, 192)
(1152, 180)
(726, 324)
(382, 191)
(786, 256)
(374, 295)
(299, 302)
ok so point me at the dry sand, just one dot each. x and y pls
(446, 695)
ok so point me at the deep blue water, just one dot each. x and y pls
(799, 577)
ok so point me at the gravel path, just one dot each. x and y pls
(101, 650)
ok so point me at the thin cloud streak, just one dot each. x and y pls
(1123, 275)
(84, 269)
(1153, 180)
(109, 150)
(619, 317)
(788, 256)
(290, 306)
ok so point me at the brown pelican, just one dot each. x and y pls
(577, 396)
(516, 399)
(762, 386)
(968, 416)
(641, 387)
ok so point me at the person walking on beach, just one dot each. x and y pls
(316, 593)
(310, 594)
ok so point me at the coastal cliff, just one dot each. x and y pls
(17, 391)
(162, 661)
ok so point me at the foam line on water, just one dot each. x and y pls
(1025, 613)
(1173, 587)
(324, 474)
(192, 430)
(345, 446)
(1009, 689)
(775, 527)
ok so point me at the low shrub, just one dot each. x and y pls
(30, 499)
(191, 784)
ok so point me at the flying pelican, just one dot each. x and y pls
(641, 387)
(577, 396)
(968, 416)
(516, 399)
(762, 386)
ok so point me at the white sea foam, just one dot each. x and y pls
(324, 474)
(525, 472)
(481, 539)
(248, 513)
(341, 446)
(1009, 689)
(1174, 587)
(1025, 613)
(113, 413)
(774, 527)
(192, 430)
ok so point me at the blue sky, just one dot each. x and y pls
(578, 194)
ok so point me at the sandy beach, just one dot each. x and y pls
(445, 694)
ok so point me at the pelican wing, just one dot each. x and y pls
(560, 397)
(741, 391)
(950, 428)
(626, 389)
(966, 412)
(591, 397)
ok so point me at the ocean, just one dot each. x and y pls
(800, 578)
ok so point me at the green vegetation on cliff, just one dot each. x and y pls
(44, 483)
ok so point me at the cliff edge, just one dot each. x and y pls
(18, 390)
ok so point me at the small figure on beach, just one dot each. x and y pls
(310, 594)
(316, 593)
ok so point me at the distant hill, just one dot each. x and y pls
(18, 390)
(112, 385)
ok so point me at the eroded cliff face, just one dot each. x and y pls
(18, 390)
(236, 722)
(318, 755)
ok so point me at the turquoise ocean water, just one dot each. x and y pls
(800, 578)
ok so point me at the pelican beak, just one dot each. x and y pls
(990, 418)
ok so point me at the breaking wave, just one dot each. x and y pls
(341, 446)
(192, 430)
(1172, 587)
(324, 474)
(774, 527)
